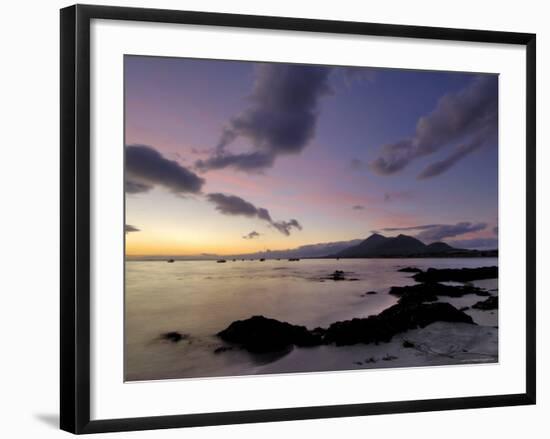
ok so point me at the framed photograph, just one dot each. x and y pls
(268, 218)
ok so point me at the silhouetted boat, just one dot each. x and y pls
(262, 260)
(170, 261)
(219, 261)
(293, 259)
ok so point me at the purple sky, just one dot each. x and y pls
(301, 154)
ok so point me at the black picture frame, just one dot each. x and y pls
(75, 217)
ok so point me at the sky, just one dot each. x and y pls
(229, 157)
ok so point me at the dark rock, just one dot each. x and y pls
(368, 293)
(389, 358)
(260, 334)
(410, 270)
(222, 349)
(396, 319)
(482, 293)
(464, 308)
(408, 344)
(337, 275)
(488, 304)
(174, 336)
(456, 274)
(429, 292)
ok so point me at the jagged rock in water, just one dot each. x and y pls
(429, 292)
(456, 274)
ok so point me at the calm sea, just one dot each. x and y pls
(200, 298)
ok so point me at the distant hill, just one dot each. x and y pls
(440, 247)
(378, 246)
(305, 251)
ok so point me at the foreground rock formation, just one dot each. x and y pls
(259, 334)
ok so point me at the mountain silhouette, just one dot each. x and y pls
(377, 245)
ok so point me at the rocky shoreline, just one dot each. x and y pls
(417, 307)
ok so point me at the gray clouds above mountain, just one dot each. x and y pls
(280, 119)
(468, 117)
(129, 228)
(234, 205)
(437, 232)
(146, 168)
(476, 243)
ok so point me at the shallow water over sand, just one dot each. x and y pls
(200, 298)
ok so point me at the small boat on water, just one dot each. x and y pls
(262, 260)
(219, 261)
(170, 261)
(293, 259)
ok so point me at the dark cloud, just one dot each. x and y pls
(441, 166)
(437, 232)
(358, 207)
(476, 243)
(129, 228)
(250, 161)
(146, 167)
(285, 227)
(251, 235)
(422, 227)
(233, 205)
(136, 187)
(469, 117)
(280, 119)
(449, 231)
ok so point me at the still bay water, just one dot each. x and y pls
(201, 298)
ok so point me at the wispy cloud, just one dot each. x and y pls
(251, 235)
(233, 205)
(129, 228)
(469, 117)
(146, 168)
(437, 232)
(280, 119)
(476, 243)
(460, 152)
